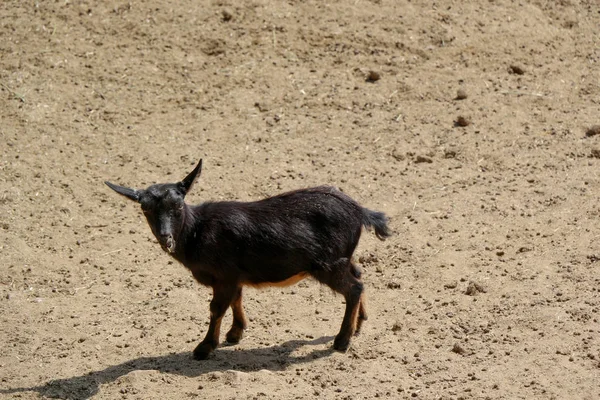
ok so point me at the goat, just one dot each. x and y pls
(276, 241)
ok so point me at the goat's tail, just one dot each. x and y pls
(378, 221)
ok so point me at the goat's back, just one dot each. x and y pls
(272, 239)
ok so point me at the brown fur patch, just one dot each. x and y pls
(287, 282)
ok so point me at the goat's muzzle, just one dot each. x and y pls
(168, 243)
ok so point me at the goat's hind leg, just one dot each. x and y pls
(239, 319)
(223, 295)
(362, 309)
(343, 279)
(362, 314)
(352, 294)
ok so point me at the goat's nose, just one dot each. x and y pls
(165, 235)
(167, 241)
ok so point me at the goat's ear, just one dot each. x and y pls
(187, 183)
(127, 192)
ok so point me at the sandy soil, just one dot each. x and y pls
(489, 288)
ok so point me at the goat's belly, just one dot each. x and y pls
(286, 282)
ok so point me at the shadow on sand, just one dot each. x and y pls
(274, 358)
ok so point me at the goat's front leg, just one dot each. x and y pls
(239, 318)
(223, 295)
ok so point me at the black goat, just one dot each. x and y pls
(272, 242)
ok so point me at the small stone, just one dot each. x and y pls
(458, 349)
(226, 15)
(461, 94)
(593, 131)
(462, 121)
(450, 154)
(368, 258)
(234, 378)
(451, 285)
(474, 288)
(393, 285)
(398, 155)
(423, 159)
(516, 69)
(373, 76)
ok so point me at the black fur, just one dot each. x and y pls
(278, 240)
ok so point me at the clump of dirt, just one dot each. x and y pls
(474, 288)
(461, 94)
(462, 121)
(593, 131)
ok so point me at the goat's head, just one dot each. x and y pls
(164, 207)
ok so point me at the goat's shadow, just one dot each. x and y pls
(275, 358)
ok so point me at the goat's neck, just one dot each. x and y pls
(186, 234)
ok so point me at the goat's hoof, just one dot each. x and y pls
(341, 343)
(234, 336)
(202, 351)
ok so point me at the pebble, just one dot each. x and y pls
(516, 69)
(373, 76)
(458, 349)
(398, 155)
(474, 288)
(394, 285)
(450, 154)
(462, 121)
(593, 131)
(451, 285)
(227, 15)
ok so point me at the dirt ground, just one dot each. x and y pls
(469, 123)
